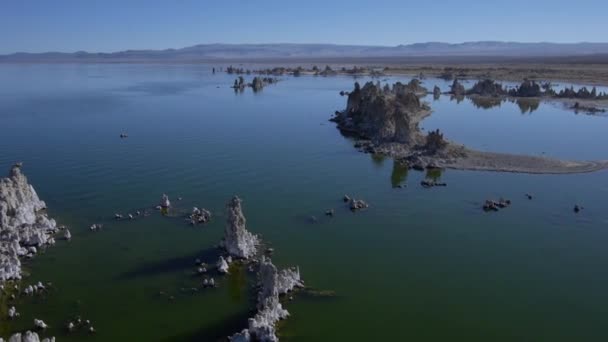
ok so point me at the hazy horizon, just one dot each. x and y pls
(69, 26)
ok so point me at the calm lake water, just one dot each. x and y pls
(420, 264)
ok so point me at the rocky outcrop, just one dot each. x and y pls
(436, 92)
(199, 216)
(222, 265)
(487, 88)
(238, 241)
(24, 224)
(272, 283)
(288, 279)
(435, 142)
(380, 115)
(457, 88)
(527, 89)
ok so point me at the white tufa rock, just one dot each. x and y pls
(23, 223)
(238, 241)
(222, 265)
(12, 312)
(164, 201)
(67, 235)
(28, 336)
(38, 323)
(288, 279)
(270, 311)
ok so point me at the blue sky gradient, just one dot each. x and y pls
(111, 25)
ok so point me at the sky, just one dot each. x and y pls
(112, 25)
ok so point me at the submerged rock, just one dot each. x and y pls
(200, 216)
(238, 241)
(23, 223)
(356, 204)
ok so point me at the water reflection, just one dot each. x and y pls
(457, 98)
(237, 282)
(528, 105)
(434, 174)
(486, 102)
(399, 174)
(378, 159)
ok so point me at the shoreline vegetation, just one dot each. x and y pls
(385, 120)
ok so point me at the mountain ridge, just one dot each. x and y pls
(296, 50)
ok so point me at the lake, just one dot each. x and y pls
(419, 264)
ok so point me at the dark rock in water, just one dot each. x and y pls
(487, 88)
(357, 204)
(529, 196)
(330, 212)
(436, 92)
(435, 141)
(577, 208)
(457, 89)
(429, 183)
(418, 166)
(346, 198)
(491, 205)
(527, 89)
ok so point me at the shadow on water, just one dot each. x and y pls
(238, 282)
(399, 174)
(171, 265)
(218, 332)
(378, 159)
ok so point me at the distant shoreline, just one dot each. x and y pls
(590, 70)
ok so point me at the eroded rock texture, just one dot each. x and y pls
(24, 224)
(238, 241)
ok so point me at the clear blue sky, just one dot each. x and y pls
(111, 25)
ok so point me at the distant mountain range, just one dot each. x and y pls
(303, 51)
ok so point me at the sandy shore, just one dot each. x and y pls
(503, 162)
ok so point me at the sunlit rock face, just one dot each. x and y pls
(23, 223)
(383, 115)
(272, 283)
(238, 241)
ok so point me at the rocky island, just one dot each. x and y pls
(385, 120)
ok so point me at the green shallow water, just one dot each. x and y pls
(420, 264)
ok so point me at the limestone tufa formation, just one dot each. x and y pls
(270, 311)
(238, 241)
(24, 224)
(382, 115)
